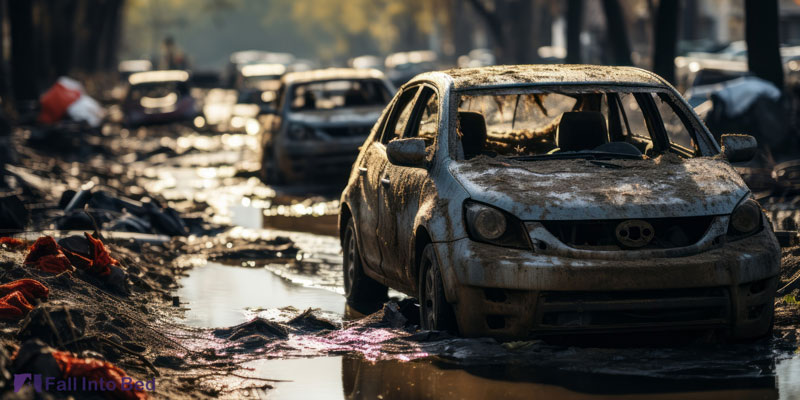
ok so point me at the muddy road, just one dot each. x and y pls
(384, 357)
(254, 304)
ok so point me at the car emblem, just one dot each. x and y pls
(634, 233)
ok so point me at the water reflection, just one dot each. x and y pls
(218, 295)
(351, 377)
(430, 380)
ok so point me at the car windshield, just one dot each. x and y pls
(334, 94)
(158, 94)
(573, 123)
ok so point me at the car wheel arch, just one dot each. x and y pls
(344, 215)
(420, 240)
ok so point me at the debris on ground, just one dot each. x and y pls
(38, 358)
(46, 255)
(19, 296)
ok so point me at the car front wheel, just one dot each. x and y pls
(434, 310)
(358, 287)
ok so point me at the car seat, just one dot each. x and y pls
(473, 133)
(581, 130)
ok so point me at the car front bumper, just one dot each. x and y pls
(510, 293)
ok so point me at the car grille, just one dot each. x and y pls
(631, 309)
(668, 232)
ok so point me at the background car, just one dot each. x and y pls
(157, 97)
(320, 119)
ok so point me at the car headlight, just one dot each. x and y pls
(746, 218)
(300, 132)
(491, 225)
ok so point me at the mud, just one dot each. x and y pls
(578, 189)
(241, 309)
(466, 78)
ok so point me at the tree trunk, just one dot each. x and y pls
(5, 68)
(520, 18)
(763, 43)
(23, 54)
(666, 39)
(495, 26)
(574, 27)
(617, 33)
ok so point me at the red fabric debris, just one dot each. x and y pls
(18, 296)
(55, 102)
(12, 243)
(46, 255)
(14, 306)
(30, 288)
(101, 260)
(93, 370)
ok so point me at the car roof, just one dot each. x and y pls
(158, 77)
(329, 74)
(516, 75)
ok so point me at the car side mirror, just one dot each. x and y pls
(739, 148)
(407, 152)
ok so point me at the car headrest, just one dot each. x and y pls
(473, 130)
(581, 130)
(354, 97)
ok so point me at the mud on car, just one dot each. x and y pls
(540, 200)
(318, 121)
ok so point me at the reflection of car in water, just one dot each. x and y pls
(320, 119)
(158, 97)
(392, 379)
(510, 206)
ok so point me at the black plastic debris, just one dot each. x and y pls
(53, 324)
(92, 208)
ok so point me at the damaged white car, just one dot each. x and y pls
(540, 200)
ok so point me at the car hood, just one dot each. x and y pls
(339, 116)
(667, 186)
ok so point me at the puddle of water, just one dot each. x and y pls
(218, 295)
(309, 378)
(348, 377)
(789, 378)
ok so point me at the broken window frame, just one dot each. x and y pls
(398, 108)
(706, 146)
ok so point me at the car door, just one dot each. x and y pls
(369, 170)
(402, 190)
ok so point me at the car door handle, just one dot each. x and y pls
(385, 181)
(362, 171)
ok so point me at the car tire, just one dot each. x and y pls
(435, 312)
(358, 287)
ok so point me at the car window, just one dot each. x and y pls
(428, 125)
(542, 123)
(676, 129)
(335, 94)
(632, 112)
(400, 116)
